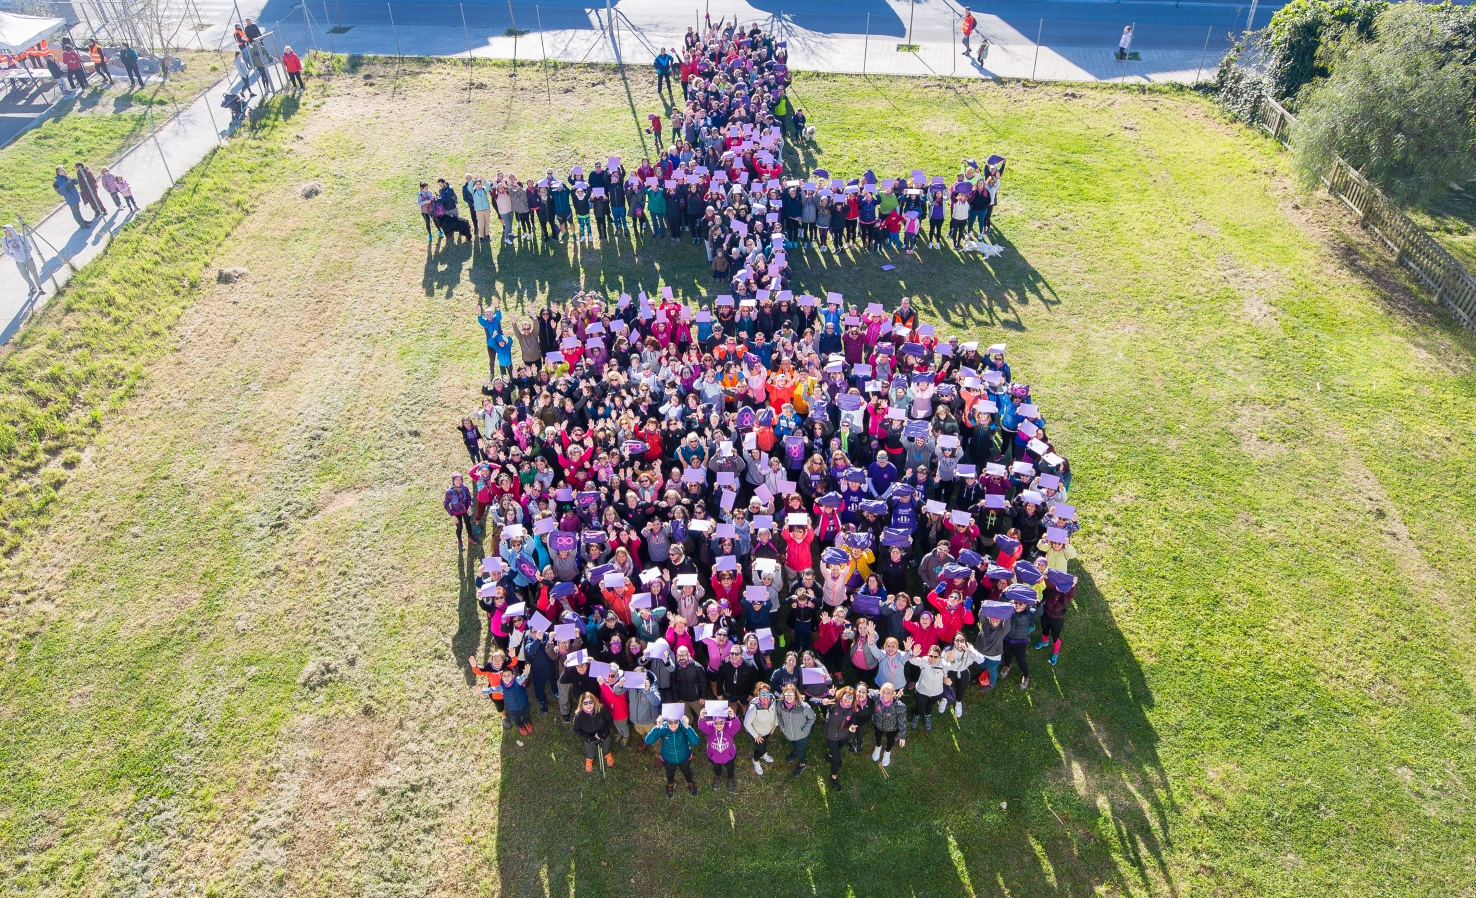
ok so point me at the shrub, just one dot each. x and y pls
(1297, 31)
(1397, 109)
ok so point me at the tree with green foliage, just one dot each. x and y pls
(1398, 108)
(1297, 31)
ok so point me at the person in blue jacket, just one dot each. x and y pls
(675, 739)
(66, 185)
(492, 325)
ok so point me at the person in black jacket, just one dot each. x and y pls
(736, 677)
(840, 727)
(688, 681)
(595, 726)
(579, 682)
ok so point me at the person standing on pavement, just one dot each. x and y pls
(1125, 43)
(99, 61)
(262, 61)
(252, 31)
(67, 187)
(967, 26)
(129, 57)
(72, 61)
(293, 64)
(110, 184)
(87, 186)
(18, 248)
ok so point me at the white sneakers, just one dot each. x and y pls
(943, 706)
(876, 755)
(958, 709)
(887, 759)
(768, 758)
(758, 768)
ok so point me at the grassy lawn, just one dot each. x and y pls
(95, 128)
(1266, 688)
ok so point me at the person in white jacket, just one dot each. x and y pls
(760, 722)
(958, 658)
(929, 688)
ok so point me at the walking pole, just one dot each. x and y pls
(866, 47)
(544, 51)
(1038, 32)
(1203, 53)
(467, 32)
(600, 751)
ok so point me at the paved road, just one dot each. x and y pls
(1161, 25)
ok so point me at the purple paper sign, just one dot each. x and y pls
(813, 676)
(599, 669)
(634, 679)
(565, 632)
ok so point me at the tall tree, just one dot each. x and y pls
(1398, 109)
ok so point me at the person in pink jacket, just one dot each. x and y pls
(721, 749)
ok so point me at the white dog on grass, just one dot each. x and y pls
(990, 250)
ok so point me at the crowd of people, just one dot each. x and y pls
(730, 196)
(763, 516)
(718, 179)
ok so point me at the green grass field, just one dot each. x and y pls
(1266, 689)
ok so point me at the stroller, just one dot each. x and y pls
(236, 102)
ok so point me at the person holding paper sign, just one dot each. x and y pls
(722, 751)
(675, 739)
(761, 720)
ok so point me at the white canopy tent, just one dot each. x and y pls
(18, 33)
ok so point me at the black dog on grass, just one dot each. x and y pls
(451, 225)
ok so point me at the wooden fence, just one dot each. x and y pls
(1416, 250)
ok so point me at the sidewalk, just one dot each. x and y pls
(150, 168)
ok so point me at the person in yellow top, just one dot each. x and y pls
(1056, 547)
(858, 546)
(804, 387)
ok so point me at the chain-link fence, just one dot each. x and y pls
(924, 38)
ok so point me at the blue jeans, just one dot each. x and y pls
(658, 225)
(992, 666)
(617, 213)
(976, 219)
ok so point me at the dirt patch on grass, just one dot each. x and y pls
(1257, 288)
(1254, 427)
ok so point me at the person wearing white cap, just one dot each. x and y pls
(18, 248)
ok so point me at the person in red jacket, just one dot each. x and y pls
(968, 26)
(612, 696)
(293, 64)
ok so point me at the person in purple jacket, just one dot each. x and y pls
(721, 749)
(458, 504)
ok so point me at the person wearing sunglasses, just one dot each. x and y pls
(761, 721)
(594, 724)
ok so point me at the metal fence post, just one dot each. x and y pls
(1039, 30)
(1202, 54)
(866, 47)
(333, 41)
(544, 51)
(514, 19)
(467, 32)
(395, 31)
